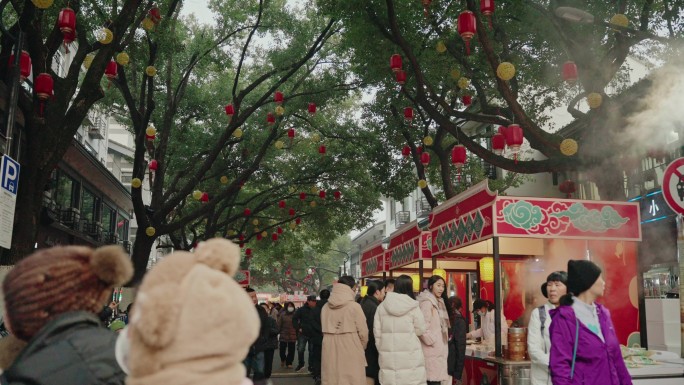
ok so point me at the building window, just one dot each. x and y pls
(108, 217)
(126, 177)
(64, 193)
(122, 227)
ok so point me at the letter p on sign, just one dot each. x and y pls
(9, 175)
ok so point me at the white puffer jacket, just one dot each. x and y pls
(397, 325)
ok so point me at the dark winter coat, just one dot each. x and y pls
(317, 329)
(369, 305)
(288, 333)
(272, 341)
(457, 347)
(303, 319)
(73, 348)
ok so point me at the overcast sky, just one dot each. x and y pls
(199, 8)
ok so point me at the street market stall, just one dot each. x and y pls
(373, 261)
(515, 242)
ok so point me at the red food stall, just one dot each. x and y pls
(373, 261)
(518, 241)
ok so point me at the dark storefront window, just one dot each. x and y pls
(65, 191)
(122, 227)
(89, 206)
(108, 216)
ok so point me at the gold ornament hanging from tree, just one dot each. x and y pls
(122, 58)
(224, 179)
(441, 47)
(463, 83)
(428, 141)
(569, 147)
(151, 71)
(42, 4)
(594, 100)
(150, 231)
(455, 74)
(237, 133)
(136, 183)
(620, 20)
(422, 183)
(505, 71)
(105, 36)
(279, 110)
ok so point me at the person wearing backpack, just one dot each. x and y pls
(538, 340)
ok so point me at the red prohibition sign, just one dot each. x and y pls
(673, 185)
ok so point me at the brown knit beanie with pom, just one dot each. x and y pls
(53, 281)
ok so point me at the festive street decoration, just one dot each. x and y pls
(463, 83)
(406, 151)
(150, 231)
(24, 65)
(514, 139)
(322, 194)
(105, 36)
(569, 147)
(154, 165)
(280, 110)
(428, 141)
(224, 179)
(237, 133)
(619, 20)
(337, 195)
(150, 133)
(425, 158)
(197, 195)
(408, 113)
(594, 100)
(111, 70)
(67, 25)
(151, 71)
(441, 47)
(88, 60)
(422, 183)
(204, 198)
(270, 118)
(568, 188)
(154, 14)
(505, 71)
(498, 143)
(570, 72)
(467, 28)
(467, 100)
(322, 149)
(44, 88)
(42, 4)
(291, 134)
(455, 74)
(230, 110)
(401, 77)
(487, 269)
(278, 97)
(281, 204)
(279, 144)
(247, 212)
(312, 108)
(395, 63)
(459, 158)
(255, 222)
(487, 9)
(122, 58)
(292, 212)
(136, 183)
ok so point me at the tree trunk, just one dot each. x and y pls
(141, 255)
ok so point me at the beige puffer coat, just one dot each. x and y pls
(435, 341)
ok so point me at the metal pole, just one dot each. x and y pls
(497, 298)
(15, 79)
(420, 275)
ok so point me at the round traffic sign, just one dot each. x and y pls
(673, 185)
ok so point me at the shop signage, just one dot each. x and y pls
(409, 246)
(673, 185)
(372, 260)
(242, 277)
(9, 186)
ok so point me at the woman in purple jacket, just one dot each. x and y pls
(584, 347)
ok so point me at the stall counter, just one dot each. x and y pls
(498, 371)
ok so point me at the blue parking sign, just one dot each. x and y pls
(9, 175)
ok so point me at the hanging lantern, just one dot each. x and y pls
(321, 194)
(150, 131)
(247, 212)
(111, 70)
(24, 65)
(270, 118)
(419, 150)
(279, 144)
(487, 9)
(105, 36)
(459, 155)
(278, 97)
(259, 237)
(321, 150)
(147, 24)
(406, 151)
(241, 237)
(395, 62)
(281, 204)
(415, 278)
(291, 134)
(204, 198)
(364, 291)
(401, 77)
(467, 100)
(619, 20)
(136, 183)
(425, 159)
(237, 133)
(505, 71)
(568, 188)
(151, 71)
(441, 47)
(312, 108)
(44, 87)
(150, 231)
(568, 147)
(154, 165)
(224, 179)
(440, 273)
(298, 220)
(313, 204)
(292, 212)
(428, 141)
(197, 195)
(67, 21)
(455, 73)
(248, 252)
(570, 72)
(467, 28)
(230, 110)
(498, 143)
(293, 225)
(42, 4)
(255, 222)
(68, 39)
(408, 113)
(302, 195)
(279, 230)
(514, 139)
(122, 58)
(154, 14)
(279, 110)
(463, 83)
(487, 269)
(337, 195)
(274, 236)
(594, 100)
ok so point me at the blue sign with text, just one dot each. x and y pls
(9, 175)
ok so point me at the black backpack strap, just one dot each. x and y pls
(542, 320)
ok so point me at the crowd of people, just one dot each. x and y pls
(193, 324)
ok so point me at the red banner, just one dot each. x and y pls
(409, 244)
(372, 260)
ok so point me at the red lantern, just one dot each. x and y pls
(302, 195)
(487, 9)
(68, 39)
(204, 198)
(401, 77)
(242, 237)
(67, 21)
(292, 212)
(321, 194)
(151, 138)
(406, 151)
(278, 97)
(24, 64)
(419, 150)
(247, 212)
(467, 100)
(426, 7)
(279, 230)
(281, 204)
(458, 155)
(155, 14)
(570, 72)
(242, 245)
(270, 118)
(568, 188)
(514, 138)
(337, 195)
(312, 108)
(44, 87)
(408, 113)
(259, 237)
(111, 70)
(248, 252)
(274, 236)
(425, 158)
(502, 130)
(467, 28)
(154, 165)
(498, 143)
(395, 62)
(291, 134)
(298, 220)
(321, 150)
(230, 110)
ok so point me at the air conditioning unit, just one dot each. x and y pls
(97, 129)
(402, 218)
(423, 207)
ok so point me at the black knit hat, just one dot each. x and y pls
(556, 276)
(581, 275)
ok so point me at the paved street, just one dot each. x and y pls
(289, 377)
